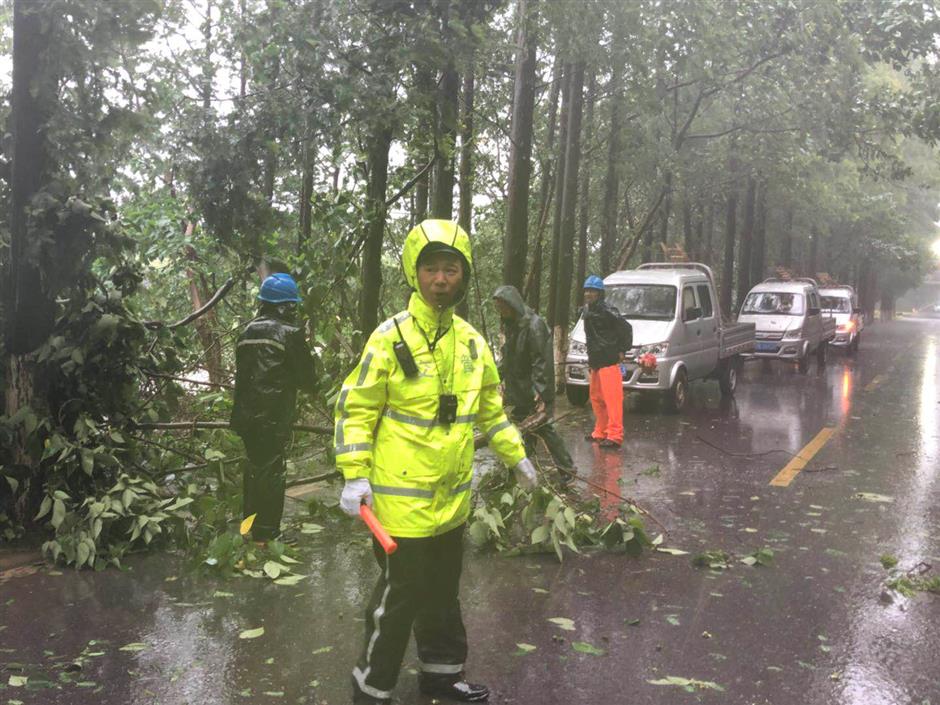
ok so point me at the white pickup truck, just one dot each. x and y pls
(678, 334)
(841, 303)
(789, 320)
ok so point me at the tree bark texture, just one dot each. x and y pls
(758, 259)
(786, 245)
(727, 269)
(747, 240)
(442, 198)
(516, 238)
(381, 142)
(559, 188)
(466, 151)
(568, 221)
(688, 238)
(584, 197)
(533, 286)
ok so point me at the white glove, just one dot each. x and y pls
(525, 474)
(355, 492)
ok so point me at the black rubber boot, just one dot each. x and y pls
(607, 443)
(590, 438)
(453, 688)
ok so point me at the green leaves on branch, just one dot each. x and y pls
(513, 521)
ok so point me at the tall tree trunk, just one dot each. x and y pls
(208, 66)
(812, 263)
(569, 203)
(584, 196)
(664, 216)
(28, 307)
(206, 324)
(758, 261)
(559, 187)
(381, 142)
(614, 165)
(466, 151)
(515, 241)
(786, 246)
(688, 239)
(425, 98)
(306, 195)
(747, 240)
(442, 198)
(533, 288)
(727, 270)
(708, 255)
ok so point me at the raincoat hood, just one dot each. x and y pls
(445, 232)
(511, 296)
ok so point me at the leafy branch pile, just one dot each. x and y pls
(910, 582)
(513, 521)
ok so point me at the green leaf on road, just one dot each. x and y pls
(672, 551)
(873, 497)
(524, 649)
(688, 684)
(18, 681)
(563, 623)
(135, 646)
(323, 650)
(289, 580)
(582, 647)
(273, 569)
(251, 633)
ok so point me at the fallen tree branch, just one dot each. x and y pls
(216, 297)
(197, 425)
(314, 478)
(411, 182)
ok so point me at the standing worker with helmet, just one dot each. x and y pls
(272, 362)
(404, 443)
(608, 338)
(527, 372)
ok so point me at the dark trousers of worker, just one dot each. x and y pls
(263, 484)
(607, 402)
(418, 589)
(556, 446)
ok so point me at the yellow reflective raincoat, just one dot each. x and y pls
(386, 423)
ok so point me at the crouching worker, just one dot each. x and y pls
(527, 370)
(404, 443)
(272, 362)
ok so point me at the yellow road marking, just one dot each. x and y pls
(874, 383)
(793, 468)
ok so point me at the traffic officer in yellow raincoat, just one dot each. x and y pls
(404, 443)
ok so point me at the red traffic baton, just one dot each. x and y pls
(381, 535)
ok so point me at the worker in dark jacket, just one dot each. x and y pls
(272, 362)
(608, 338)
(527, 373)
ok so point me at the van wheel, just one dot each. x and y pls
(822, 354)
(678, 396)
(728, 375)
(577, 394)
(803, 364)
(853, 348)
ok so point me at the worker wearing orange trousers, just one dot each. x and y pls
(608, 336)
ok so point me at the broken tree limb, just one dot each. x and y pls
(216, 297)
(411, 182)
(201, 425)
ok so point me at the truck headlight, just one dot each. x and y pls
(793, 334)
(577, 348)
(657, 349)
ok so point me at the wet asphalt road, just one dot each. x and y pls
(811, 628)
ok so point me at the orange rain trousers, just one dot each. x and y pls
(607, 402)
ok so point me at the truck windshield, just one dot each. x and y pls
(836, 304)
(773, 303)
(650, 301)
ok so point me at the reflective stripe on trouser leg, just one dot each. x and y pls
(389, 616)
(598, 406)
(611, 383)
(439, 631)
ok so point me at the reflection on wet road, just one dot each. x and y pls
(810, 629)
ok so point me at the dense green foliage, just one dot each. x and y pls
(194, 141)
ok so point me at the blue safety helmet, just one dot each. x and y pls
(279, 289)
(594, 282)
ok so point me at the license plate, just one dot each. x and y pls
(766, 347)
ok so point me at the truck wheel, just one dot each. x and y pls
(822, 354)
(678, 396)
(577, 394)
(803, 364)
(728, 376)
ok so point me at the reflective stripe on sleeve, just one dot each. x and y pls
(402, 491)
(424, 423)
(364, 371)
(462, 487)
(497, 428)
(351, 448)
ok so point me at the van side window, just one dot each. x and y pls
(705, 299)
(688, 301)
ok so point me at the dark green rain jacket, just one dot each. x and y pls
(526, 367)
